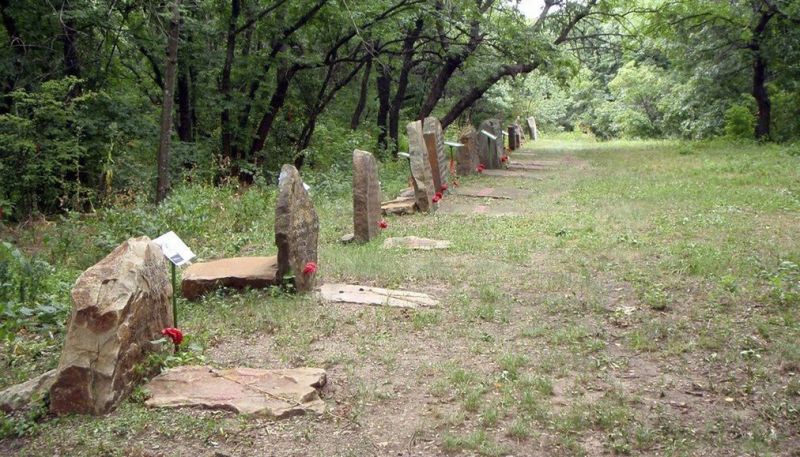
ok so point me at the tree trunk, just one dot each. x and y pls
(69, 38)
(451, 64)
(15, 43)
(762, 97)
(384, 89)
(477, 91)
(184, 95)
(162, 186)
(284, 77)
(362, 97)
(225, 82)
(402, 82)
(759, 91)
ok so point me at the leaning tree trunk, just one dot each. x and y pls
(402, 82)
(384, 87)
(362, 97)
(173, 35)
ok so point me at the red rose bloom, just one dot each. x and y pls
(437, 197)
(175, 334)
(480, 168)
(504, 159)
(310, 268)
(383, 224)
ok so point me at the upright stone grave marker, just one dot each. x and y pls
(366, 196)
(532, 130)
(422, 177)
(490, 150)
(467, 155)
(120, 305)
(513, 141)
(296, 230)
(434, 142)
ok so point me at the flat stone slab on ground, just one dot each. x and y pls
(274, 393)
(365, 295)
(517, 165)
(500, 193)
(399, 206)
(414, 242)
(511, 174)
(235, 272)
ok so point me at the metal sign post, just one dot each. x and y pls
(452, 145)
(178, 254)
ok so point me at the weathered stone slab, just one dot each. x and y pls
(489, 150)
(236, 273)
(434, 142)
(511, 174)
(272, 393)
(366, 196)
(413, 242)
(533, 132)
(364, 295)
(120, 305)
(296, 230)
(399, 206)
(424, 187)
(408, 192)
(21, 395)
(516, 165)
(467, 155)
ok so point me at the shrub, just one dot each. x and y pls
(739, 122)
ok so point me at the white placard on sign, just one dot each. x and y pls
(453, 143)
(174, 249)
(404, 154)
(492, 137)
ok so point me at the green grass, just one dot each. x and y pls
(634, 273)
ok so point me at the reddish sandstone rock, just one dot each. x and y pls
(120, 305)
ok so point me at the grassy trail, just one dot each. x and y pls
(633, 298)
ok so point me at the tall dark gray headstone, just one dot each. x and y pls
(366, 196)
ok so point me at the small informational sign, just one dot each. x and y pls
(404, 155)
(505, 133)
(174, 249)
(453, 144)
(491, 137)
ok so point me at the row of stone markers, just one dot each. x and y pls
(478, 150)
(122, 305)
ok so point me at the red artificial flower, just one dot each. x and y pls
(383, 224)
(444, 187)
(310, 268)
(175, 334)
(437, 197)
(504, 159)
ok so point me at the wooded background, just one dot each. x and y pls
(88, 86)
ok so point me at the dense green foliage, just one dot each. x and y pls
(262, 83)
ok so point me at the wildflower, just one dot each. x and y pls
(310, 268)
(175, 334)
(437, 197)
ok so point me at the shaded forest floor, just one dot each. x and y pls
(633, 298)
